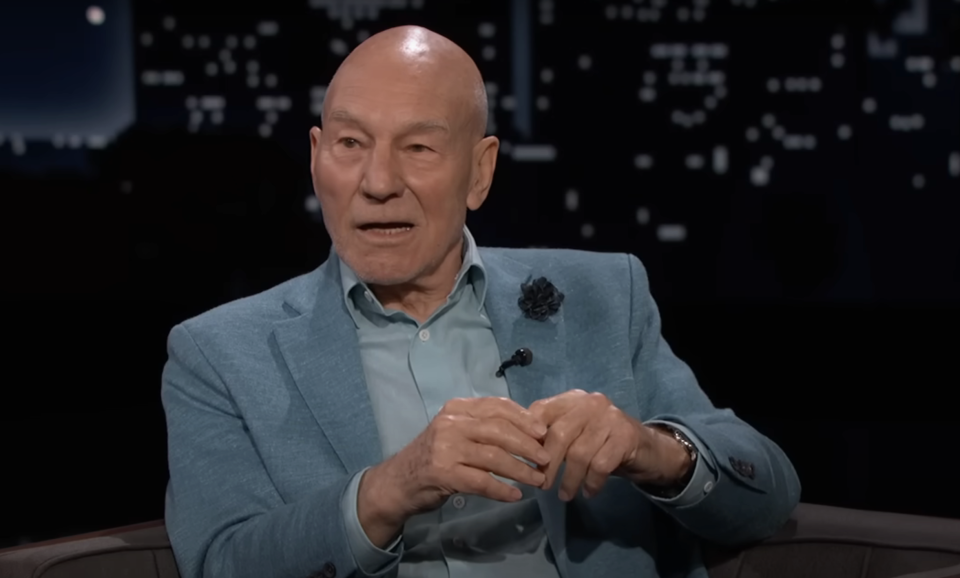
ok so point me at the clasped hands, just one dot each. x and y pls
(470, 439)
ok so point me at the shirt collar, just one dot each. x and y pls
(356, 294)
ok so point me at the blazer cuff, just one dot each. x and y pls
(704, 476)
(370, 560)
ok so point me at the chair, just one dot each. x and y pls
(817, 542)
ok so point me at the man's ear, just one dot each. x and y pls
(315, 134)
(484, 164)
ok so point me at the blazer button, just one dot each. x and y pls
(328, 571)
(741, 467)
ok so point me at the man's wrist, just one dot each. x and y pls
(677, 457)
(376, 509)
(674, 465)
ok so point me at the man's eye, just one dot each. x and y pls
(349, 142)
(419, 148)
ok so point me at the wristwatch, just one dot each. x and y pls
(683, 439)
(674, 490)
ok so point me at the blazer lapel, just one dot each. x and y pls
(543, 378)
(321, 351)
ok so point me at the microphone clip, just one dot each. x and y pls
(522, 357)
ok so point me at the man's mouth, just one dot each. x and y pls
(387, 228)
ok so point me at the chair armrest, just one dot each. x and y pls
(839, 542)
(138, 550)
(815, 523)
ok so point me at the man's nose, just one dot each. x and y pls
(381, 179)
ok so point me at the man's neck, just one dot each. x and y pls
(421, 297)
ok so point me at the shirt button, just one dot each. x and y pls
(425, 335)
(458, 542)
(707, 487)
(459, 502)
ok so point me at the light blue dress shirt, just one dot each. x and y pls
(412, 370)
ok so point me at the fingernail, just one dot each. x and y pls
(564, 496)
(543, 458)
(540, 429)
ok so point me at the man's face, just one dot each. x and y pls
(395, 169)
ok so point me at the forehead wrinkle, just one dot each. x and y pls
(344, 116)
(341, 115)
(431, 125)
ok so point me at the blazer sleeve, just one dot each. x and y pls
(224, 516)
(757, 487)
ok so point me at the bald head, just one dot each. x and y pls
(412, 54)
(402, 157)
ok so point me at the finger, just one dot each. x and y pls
(578, 459)
(553, 408)
(540, 409)
(603, 464)
(506, 409)
(497, 461)
(501, 433)
(561, 436)
(469, 480)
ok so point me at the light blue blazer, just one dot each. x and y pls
(268, 418)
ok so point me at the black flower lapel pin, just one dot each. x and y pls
(540, 299)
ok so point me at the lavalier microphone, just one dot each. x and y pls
(522, 357)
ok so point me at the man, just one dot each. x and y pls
(353, 421)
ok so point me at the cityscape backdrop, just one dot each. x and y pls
(788, 171)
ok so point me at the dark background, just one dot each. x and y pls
(787, 170)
